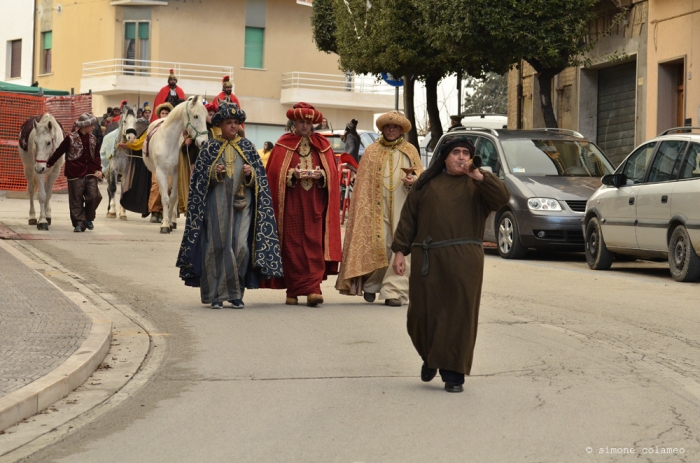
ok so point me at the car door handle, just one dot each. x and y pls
(631, 201)
(664, 199)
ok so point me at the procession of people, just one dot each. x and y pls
(269, 217)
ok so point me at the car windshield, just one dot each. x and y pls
(555, 157)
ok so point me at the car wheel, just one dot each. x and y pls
(682, 259)
(509, 245)
(597, 254)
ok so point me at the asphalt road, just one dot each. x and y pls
(570, 365)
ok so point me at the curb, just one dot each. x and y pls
(39, 394)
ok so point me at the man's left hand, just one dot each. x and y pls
(409, 180)
(98, 174)
(247, 170)
(316, 173)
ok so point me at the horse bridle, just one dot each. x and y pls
(197, 133)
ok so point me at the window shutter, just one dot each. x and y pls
(129, 31)
(48, 40)
(254, 41)
(16, 60)
(143, 31)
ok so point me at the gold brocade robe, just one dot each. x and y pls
(364, 248)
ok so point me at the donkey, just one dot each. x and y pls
(126, 131)
(35, 150)
(162, 150)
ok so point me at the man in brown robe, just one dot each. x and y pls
(443, 221)
(385, 175)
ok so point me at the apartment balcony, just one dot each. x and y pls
(338, 91)
(120, 76)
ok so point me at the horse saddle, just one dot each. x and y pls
(146, 142)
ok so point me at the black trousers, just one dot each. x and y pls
(451, 376)
(83, 199)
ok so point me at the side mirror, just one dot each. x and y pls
(616, 180)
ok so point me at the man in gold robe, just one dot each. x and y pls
(386, 173)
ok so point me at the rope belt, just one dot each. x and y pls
(428, 244)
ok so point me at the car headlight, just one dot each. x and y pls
(543, 204)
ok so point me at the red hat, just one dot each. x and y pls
(122, 104)
(226, 81)
(210, 107)
(304, 111)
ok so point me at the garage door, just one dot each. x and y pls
(616, 110)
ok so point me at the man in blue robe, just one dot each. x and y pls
(230, 241)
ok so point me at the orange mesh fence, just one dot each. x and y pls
(15, 109)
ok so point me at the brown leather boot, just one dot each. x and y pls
(312, 300)
(292, 301)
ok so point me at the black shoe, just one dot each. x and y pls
(453, 387)
(217, 305)
(370, 297)
(78, 229)
(393, 302)
(427, 374)
(237, 304)
(89, 225)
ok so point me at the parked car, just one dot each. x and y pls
(650, 207)
(338, 145)
(550, 173)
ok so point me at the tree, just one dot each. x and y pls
(548, 34)
(487, 95)
(395, 36)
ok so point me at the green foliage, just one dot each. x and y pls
(323, 24)
(487, 95)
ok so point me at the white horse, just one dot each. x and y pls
(119, 160)
(163, 151)
(43, 140)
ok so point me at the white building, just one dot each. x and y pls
(16, 40)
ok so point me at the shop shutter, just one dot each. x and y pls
(616, 110)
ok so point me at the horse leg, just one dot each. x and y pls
(43, 223)
(31, 185)
(111, 193)
(173, 202)
(51, 179)
(162, 180)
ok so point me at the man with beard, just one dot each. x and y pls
(386, 173)
(171, 93)
(305, 194)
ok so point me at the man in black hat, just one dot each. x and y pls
(442, 226)
(83, 168)
(230, 241)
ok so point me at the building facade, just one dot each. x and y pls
(638, 80)
(16, 37)
(124, 49)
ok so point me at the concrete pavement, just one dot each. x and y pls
(49, 344)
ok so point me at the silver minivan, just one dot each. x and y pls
(650, 207)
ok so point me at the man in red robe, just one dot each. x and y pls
(226, 95)
(305, 194)
(171, 93)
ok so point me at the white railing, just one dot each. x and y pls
(336, 82)
(146, 68)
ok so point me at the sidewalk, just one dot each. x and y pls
(49, 345)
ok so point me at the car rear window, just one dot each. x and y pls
(337, 144)
(555, 157)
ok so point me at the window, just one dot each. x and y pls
(15, 61)
(46, 45)
(489, 156)
(636, 165)
(136, 42)
(691, 166)
(667, 161)
(254, 41)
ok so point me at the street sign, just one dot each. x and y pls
(391, 80)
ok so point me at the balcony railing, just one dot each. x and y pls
(161, 69)
(334, 82)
